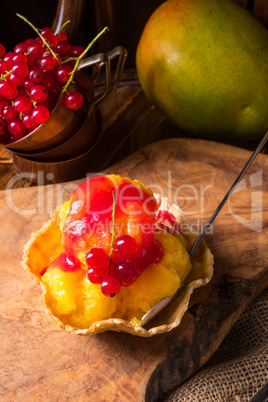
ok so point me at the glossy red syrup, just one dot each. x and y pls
(88, 228)
(66, 263)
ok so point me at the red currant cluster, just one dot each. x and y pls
(126, 264)
(32, 77)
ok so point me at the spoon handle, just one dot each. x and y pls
(227, 196)
(164, 302)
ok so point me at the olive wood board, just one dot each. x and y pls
(41, 363)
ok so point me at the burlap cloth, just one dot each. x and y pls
(239, 368)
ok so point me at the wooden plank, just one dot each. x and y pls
(39, 362)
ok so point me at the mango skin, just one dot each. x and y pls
(205, 64)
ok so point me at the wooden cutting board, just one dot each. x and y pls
(39, 362)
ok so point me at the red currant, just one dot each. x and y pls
(50, 37)
(47, 63)
(17, 81)
(65, 49)
(2, 124)
(21, 47)
(9, 57)
(28, 122)
(35, 50)
(55, 89)
(74, 100)
(97, 259)
(9, 113)
(63, 73)
(62, 37)
(20, 57)
(92, 277)
(78, 50)
(20, 69)
(28, 84)
(3, 104)
(2, 50)
(110, 286)
(126, 246)
(5, 66)
(16, 128)
(36, 75)
(28, 42)
(23, 104)
(40, 114)
(8, 90)
(124, 271)
(38, 93)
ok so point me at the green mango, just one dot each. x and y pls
(205, 64)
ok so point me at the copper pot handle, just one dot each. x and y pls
(99, 61)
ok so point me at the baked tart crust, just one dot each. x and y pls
(45, 244)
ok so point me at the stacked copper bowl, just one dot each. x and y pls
(60, 148)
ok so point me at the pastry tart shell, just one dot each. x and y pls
(38, 254)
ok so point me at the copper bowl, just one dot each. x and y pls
(83, 139)
(63, 122)
(49, 172)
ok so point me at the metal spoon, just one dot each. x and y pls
(164, 302)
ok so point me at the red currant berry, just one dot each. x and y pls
(16, 128)
(2, 50)
(31, 62)
(110, 286)
(17, 81)
(55, 90)
(9, 57)
(62, 37)
(40, 114)
(3, 104)
(65, 49)
(39, 40)
(23, 104)
(74, 100)
(124, 271)
(20, 69)
(36, 75)
(9, 113)
(28, 122)
(21, 47)
(63, 73)
(5, 66)
(50, 37)
(22, 92)
(29, 42)
(92, 277)
(38, 93)
(8, 90)
(2, 124)
(20, 57)
(97, 259)
(126, 246)
(28, 84)
(48, 80)
(47, 63)
(35, 50)
(78, 50)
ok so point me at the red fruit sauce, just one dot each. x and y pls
(98, 207)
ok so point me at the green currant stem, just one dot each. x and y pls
(38, 33)
(63, 25)
(113, 233)
(3, 77)
(80, 58)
